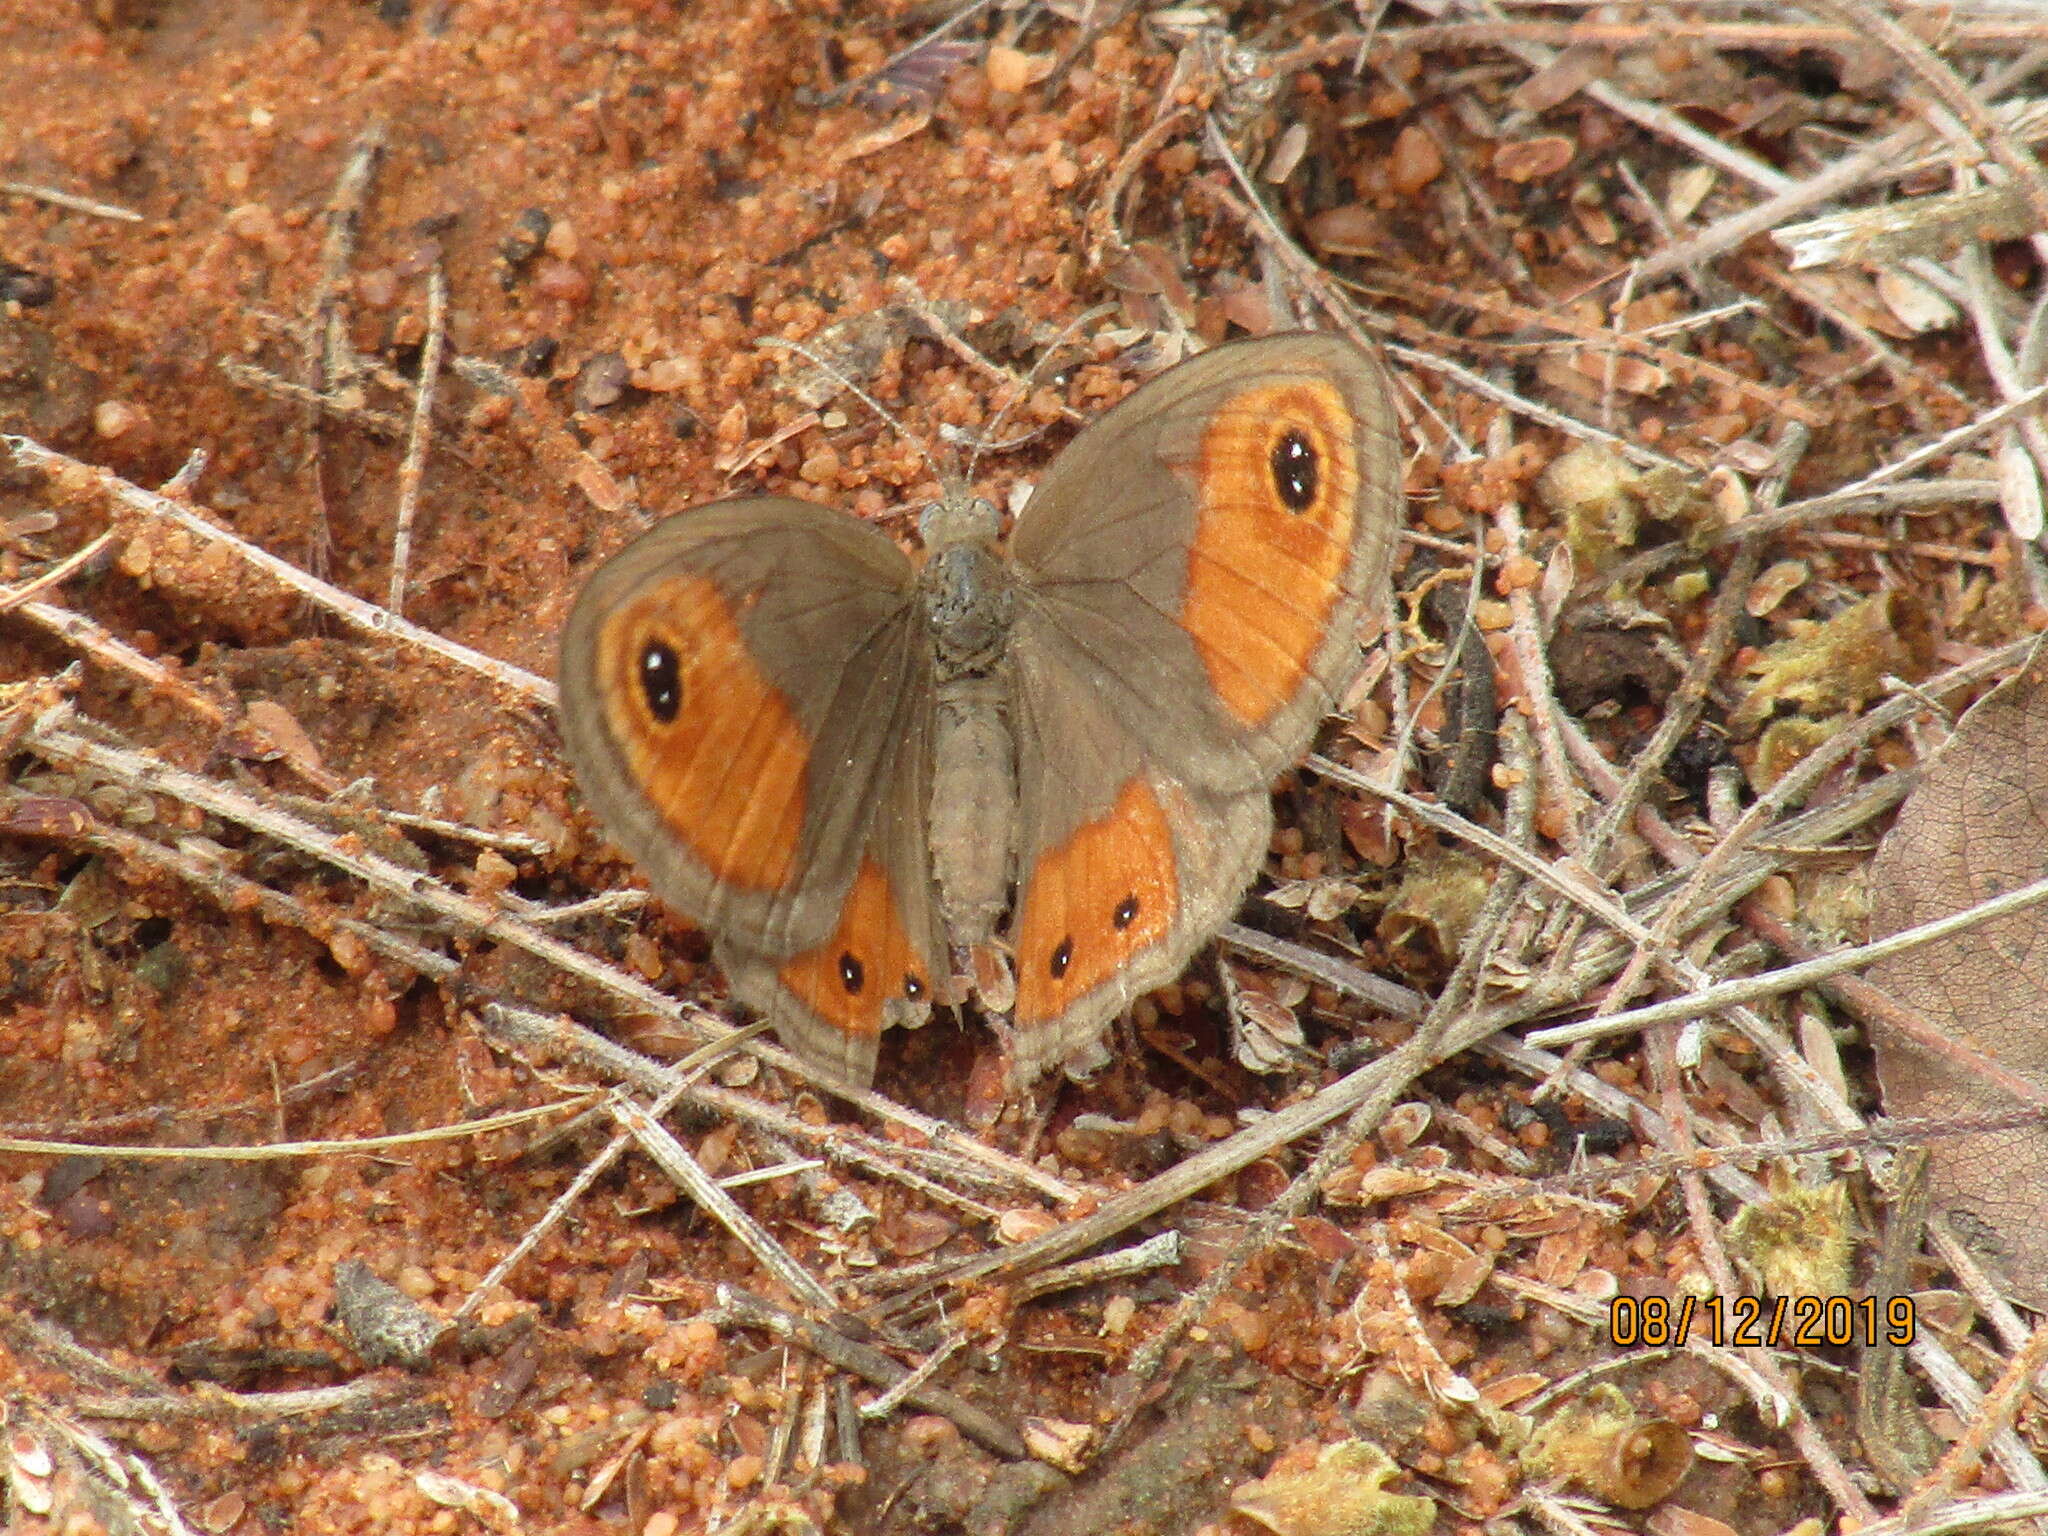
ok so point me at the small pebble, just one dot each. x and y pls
(19, 285)
(602, 382)
(528, 236)
(560, 280)
(1009, 69)
(536, 356)
(116, 418)
(378, 287)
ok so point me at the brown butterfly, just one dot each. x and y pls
(855, 769)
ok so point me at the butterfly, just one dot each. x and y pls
(859, 771)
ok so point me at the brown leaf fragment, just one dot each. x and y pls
(1528, 160)
(1341, 1495)
(268, 732)
(1977, 826)
(915, 77)
(1632, 374)
(1349, 229)
(56, 816)
(1674, 1520)
(1267, 1033)
(1560, 80)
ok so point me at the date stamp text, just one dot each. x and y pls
(1781, 1322)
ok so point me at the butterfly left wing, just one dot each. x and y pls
(746, 697)
(1193, 570)
(878, 967)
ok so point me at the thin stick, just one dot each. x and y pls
(368, 418)
(673, 1159)
(1943, 83)
(56, 575)
(926, 1369)
(109, 650)
(1531, 410)
(2000, 1404)
(1873, 1005)
(1748, 989)
(942, 1149)
(466, 915)
(273, 1150)
(413, 468)
(1161, 1251)
(736, 1308)
(70, 200)
(75, 476)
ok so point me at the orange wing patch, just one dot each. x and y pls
(712, 743)
(868, 963)
(1277, 476)
(1092, 903)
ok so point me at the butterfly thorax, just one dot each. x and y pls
(969, 597)
(966, 587)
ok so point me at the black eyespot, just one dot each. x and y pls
(912, 987)
(1061, 959)
(1126, 912)
(1295, 469)
(661, 681)
(851, 975)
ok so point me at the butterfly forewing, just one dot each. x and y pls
(746, 698)
(1213, 542)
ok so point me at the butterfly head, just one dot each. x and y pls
(959, 520)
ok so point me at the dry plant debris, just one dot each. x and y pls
(375, 1159)
(1975, 828)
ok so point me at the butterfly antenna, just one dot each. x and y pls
(986, 441)
(833, 371)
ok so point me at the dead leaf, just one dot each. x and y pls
(271, 731)
(1799, 1242)
(1349, 229)
(1977, 826)
(1600, 1443)
(1774, 586)
(1526, 160)
(1561, 79)
(1426, 918)
(916, 77)
(1840, 664)
(886, 137)
(1266, 1031)
(494, 1510)
(1341, 1495)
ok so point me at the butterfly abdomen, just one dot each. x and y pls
(974, 806)
(969, 595)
